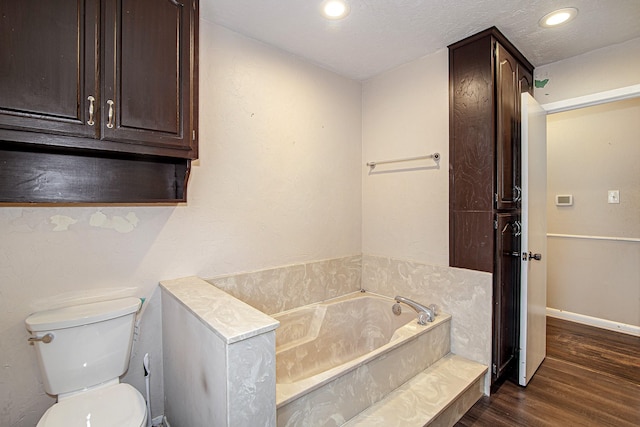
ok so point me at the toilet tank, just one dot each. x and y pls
(91, 343)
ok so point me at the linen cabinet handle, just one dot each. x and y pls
(518, 228)
(111, 111)
(517, 194)
(91, 99)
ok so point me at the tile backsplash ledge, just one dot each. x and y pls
(283, 288)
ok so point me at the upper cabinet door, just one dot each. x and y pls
(149, 88)
(525, 82)
(507, 140)
(48, 64)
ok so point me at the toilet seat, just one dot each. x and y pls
(118, 405)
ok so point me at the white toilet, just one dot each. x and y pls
(82, 352)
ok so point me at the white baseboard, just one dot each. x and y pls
(594, 321)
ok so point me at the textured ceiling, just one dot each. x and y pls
(379, 35)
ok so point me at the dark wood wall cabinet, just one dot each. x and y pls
(487, 74)
(98, 100)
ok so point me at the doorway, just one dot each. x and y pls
(594, 232)
(571, 143)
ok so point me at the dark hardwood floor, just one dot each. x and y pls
(590, 377)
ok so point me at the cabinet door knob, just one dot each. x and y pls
(111, 111)
(91, 99)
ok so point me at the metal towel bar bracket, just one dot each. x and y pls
(434, 156)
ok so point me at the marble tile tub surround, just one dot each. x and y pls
(465, 294)
(210, 337)
(283, 288)
(337, 395)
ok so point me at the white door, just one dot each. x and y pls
(533, 302)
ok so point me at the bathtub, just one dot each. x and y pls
(336, 358)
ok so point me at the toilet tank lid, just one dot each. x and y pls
(82, 314)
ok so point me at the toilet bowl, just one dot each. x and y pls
(82, 352)
(114, 405)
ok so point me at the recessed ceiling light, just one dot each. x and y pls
(335, 9)
(557, 17)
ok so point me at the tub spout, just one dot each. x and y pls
(425, 314)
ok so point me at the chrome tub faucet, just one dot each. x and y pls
(425, 314)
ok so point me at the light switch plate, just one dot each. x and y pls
(614, 196)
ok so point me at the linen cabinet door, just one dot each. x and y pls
(48, 66)
(524, 80)
(506, 293)
(507, 138)
(148, 95)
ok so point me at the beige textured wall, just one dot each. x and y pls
(405, 206)
(590, 151)
(600, 70)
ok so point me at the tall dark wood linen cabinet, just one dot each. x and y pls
(487, 74)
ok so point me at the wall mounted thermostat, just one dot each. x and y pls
(564, 199)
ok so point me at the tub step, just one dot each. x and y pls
(437, 396)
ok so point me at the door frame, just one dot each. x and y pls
(604, 97)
